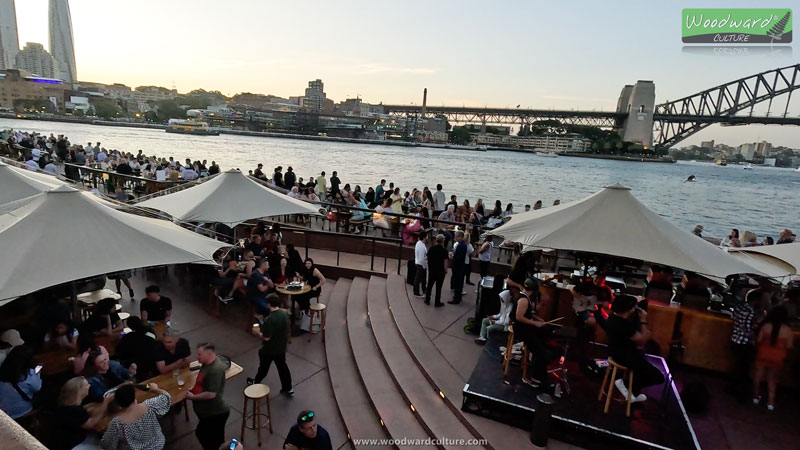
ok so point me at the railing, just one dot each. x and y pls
(111, 180)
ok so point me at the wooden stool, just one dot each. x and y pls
(316, 308)
(607, 388)
(507, 355)
(255, 393)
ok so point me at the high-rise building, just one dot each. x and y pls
(315, 96)
(9, 39)
(35, 59)
(62, 44)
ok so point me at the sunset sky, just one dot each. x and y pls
(535, 54)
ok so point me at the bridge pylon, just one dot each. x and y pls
(638, 103)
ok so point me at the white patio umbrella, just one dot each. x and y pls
(613, 222)
(229, 198)
(17, 183)
(789, 254)
(64, 235)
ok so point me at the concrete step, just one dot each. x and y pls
(358, 414)
(392, 408)
(434, 411)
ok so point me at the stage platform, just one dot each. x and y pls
(578, 418)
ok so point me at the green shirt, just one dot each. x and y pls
(275, 327)
(322, 183)
(212, 377)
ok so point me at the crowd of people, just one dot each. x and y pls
(109, 361)
(749, 238)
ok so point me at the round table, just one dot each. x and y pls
(290, 293)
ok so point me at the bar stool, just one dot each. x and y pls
(507, 355)
(319, 309)
(607, 388)
(255, 393)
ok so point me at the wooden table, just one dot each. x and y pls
(166, 382)
(290, 293)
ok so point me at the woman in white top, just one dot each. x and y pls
(470, 251)
(137, 427)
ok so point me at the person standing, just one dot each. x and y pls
(335, 182)
(273, 332)
(379, 191)
(459, 268)
(207, 398)
(289, 179)
(485, 255)
(322, 186)
(775, 339)
(438, 198)
(742, 344)
(437, 268)
(421, 261)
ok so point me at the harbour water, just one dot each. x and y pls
(763, 200)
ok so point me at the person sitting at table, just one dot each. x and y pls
(154, 307)
(172, 353)
(281, 273)
(136, 426)
(104, 320)
(19, 382)
(246, 267)
(72, 423)
(627, 332)
(226, 280)
(307, 434)
(449, 216)
(86, 345)
(138, 347)
(295, 261)
(379, 220)
(103, 374)
(412, 226)
(258, 286)
(255, 245)
(314, 278)
(62, 335)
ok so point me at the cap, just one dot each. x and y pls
(12, 338)
(623, 303)
(700, 227)
(531, 283)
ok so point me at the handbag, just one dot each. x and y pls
(305, 321)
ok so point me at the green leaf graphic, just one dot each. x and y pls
(777, 31)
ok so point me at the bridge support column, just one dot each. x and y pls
(638, 102)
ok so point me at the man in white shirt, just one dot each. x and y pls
(499, 321)
(485, 255)
(438, 198)
(421, 261)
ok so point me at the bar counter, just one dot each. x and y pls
(704, 335)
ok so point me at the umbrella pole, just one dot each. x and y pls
(73, 300)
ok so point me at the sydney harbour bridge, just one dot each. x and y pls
(639, 119)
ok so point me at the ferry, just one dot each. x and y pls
(544, 153)
(184, 126)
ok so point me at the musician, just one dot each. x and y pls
(627, 332)
(533, 331)
(588, 297)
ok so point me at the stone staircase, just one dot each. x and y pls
(389, 378)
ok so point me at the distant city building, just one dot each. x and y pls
(9, 38)
(707, 144)
(763, 148)
(356, 107)
(747, 151)
(144, 94)
(35, 59)
(555, 143)
(315, 96)
(18, 84)
(62, 44)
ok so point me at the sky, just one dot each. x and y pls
(537, 54)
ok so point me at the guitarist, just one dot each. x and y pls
(533, 331)
(588, 298)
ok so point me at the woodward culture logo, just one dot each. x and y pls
(737, 26)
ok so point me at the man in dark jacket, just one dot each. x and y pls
(459, 267)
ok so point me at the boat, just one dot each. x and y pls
(188, 126)
(721, 162)
(544, 153)
(748, 166)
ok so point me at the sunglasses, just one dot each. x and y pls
(307, 417)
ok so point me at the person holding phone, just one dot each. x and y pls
(20, 381)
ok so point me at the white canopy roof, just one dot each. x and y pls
(787, 253)
(613, 222)
(16, 183)
(229, 198)
(769, 265)
(63, 235)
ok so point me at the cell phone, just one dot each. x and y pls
(38, 369)
(233, 445)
